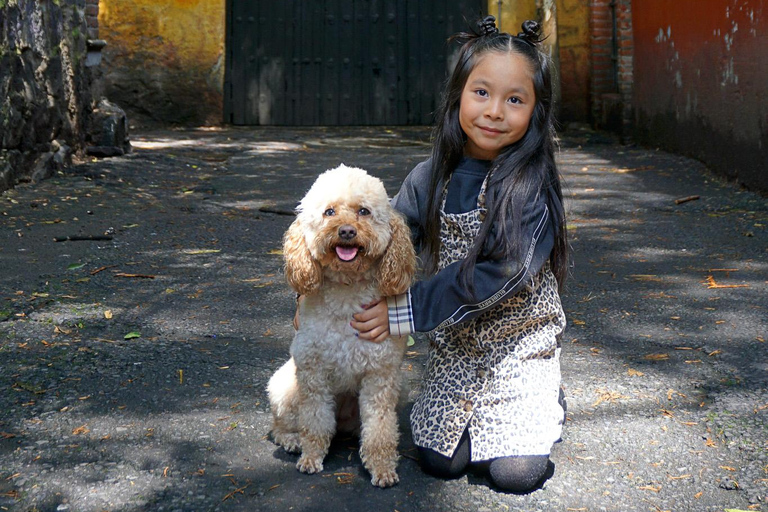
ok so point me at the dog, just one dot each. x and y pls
(346, 248)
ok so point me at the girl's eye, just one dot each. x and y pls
(330, 212)
(364, 211)
(481, 92)
(514, 99)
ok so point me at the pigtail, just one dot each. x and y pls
(531, 33)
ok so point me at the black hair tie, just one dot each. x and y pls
(487, 26)
(531, 33)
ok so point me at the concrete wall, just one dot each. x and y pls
(700, 82)
(164, 59)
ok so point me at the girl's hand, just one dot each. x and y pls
(373, 323)
(299, 300)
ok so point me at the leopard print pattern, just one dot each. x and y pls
(498, 373)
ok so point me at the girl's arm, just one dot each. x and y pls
(440, 301)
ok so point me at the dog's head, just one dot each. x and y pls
(346, 230)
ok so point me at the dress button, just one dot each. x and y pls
(468, 406)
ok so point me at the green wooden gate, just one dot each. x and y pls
(339, 62)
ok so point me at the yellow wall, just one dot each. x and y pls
(513, 13)
(569, 46)
(575, 63)
(165, 57)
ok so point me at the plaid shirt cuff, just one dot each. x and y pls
(400, 314)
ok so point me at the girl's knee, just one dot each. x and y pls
(518, 474)
(439, 465)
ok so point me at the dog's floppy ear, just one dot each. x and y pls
(398, 264)
(301, 270)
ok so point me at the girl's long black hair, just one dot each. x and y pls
(521, 170)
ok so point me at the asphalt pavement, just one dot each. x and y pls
(135, 351)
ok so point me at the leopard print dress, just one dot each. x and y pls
(497, 374)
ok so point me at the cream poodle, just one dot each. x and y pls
(346, 248)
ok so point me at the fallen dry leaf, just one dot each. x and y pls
(657, 357)
(607, 396)
(711, 283)
(83, 429)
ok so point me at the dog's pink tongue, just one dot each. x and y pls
(346, 253)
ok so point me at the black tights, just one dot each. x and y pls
(517, 474)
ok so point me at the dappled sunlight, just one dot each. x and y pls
(136, 367)
(213, 144)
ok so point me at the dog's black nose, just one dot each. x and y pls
(347, 232)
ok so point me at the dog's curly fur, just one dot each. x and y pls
(346, 248)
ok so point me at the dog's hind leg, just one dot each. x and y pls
(378, 444)
(283, 393)
(317, 422)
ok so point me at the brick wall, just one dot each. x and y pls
(92, 18)
(612, 64)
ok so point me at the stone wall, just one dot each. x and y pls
(50, 89)
(45, 88)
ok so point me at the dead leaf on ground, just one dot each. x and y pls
(657, 357)
(83, 429)
(711, 283)
(607, 396)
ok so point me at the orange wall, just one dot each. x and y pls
(699, 82)
(165, 58)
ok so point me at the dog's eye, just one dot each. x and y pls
(330, 212)
(364, 211)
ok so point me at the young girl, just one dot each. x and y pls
(486, 212)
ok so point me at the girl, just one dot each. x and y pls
(486, 211)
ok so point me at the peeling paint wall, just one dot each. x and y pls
(164, 59)
(701, 84)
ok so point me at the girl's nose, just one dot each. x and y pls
(494, 110)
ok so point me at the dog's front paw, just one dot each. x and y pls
(309, 465)
(384, 478)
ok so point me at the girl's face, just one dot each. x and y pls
(496, 104)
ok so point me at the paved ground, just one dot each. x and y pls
(133, 369)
